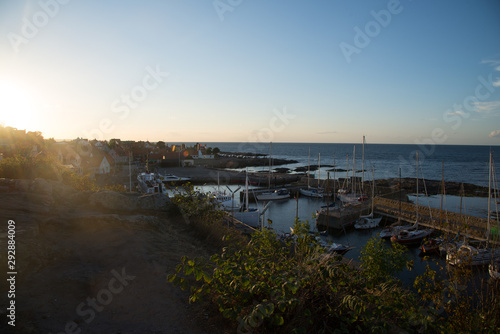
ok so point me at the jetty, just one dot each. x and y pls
(445, 221)
(340, 218)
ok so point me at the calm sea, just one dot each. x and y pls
(462, 163)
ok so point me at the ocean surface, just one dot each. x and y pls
(462, 163)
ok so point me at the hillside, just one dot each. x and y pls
(74, 248)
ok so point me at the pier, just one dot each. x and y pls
(448, 222)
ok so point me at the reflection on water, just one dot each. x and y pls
(282, 214)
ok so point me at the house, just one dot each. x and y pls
(119, 154)
(67, 155)
(98, 163)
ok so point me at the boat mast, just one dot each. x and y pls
(270, 168)
(417, 184)
(354, 170)
(489, 201)
(347, 174)
(399, 218)
(308, 167)
(319, 167)
(442, 192)
(363, 166)
(334, 168)
(373, 188)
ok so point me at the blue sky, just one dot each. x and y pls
(235, 70)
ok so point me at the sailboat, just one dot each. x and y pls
(248, 215)
(414, 235)
(367, 222)
(344, 195)
(224, 201)
(473, 256)
(395, 228)
(311, 191)
(270, 194)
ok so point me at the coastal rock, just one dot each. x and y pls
(6, 185)
(22, 185)
(60, 190)
(79, 197)
(41, 186)
(113, 201)
(154, 202)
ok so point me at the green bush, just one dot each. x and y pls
(269, 285)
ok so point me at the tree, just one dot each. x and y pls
(380, 261)
(113, 143)
(160, 145)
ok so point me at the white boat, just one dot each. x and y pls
(224, 201)
(273, 195)
(413, 235)
(406, 237)
(368, 221)
(311, 191)
(471, 256)
(494, 269)
(248, 215)
(393, 230)
(336, 248)
(168, 178)
(149, 184)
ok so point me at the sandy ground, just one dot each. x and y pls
(98, 273)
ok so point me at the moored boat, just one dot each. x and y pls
(430, 246)
(148, 183)
(273, 195)
(494, 269)
(469, 255)
(170, 178)
(408, 237)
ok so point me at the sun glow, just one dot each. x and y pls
(16, 106)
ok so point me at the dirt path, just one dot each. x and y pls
(101, 273)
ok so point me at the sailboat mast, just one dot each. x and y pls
(363, 165)
(334, 168)
(347, 172)
(308, 167)
(354, 169)
(489, 200)
(270, 168)
(319, 167)
(373, 189)
(399, 193)
(417, 184)
(442, 192)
